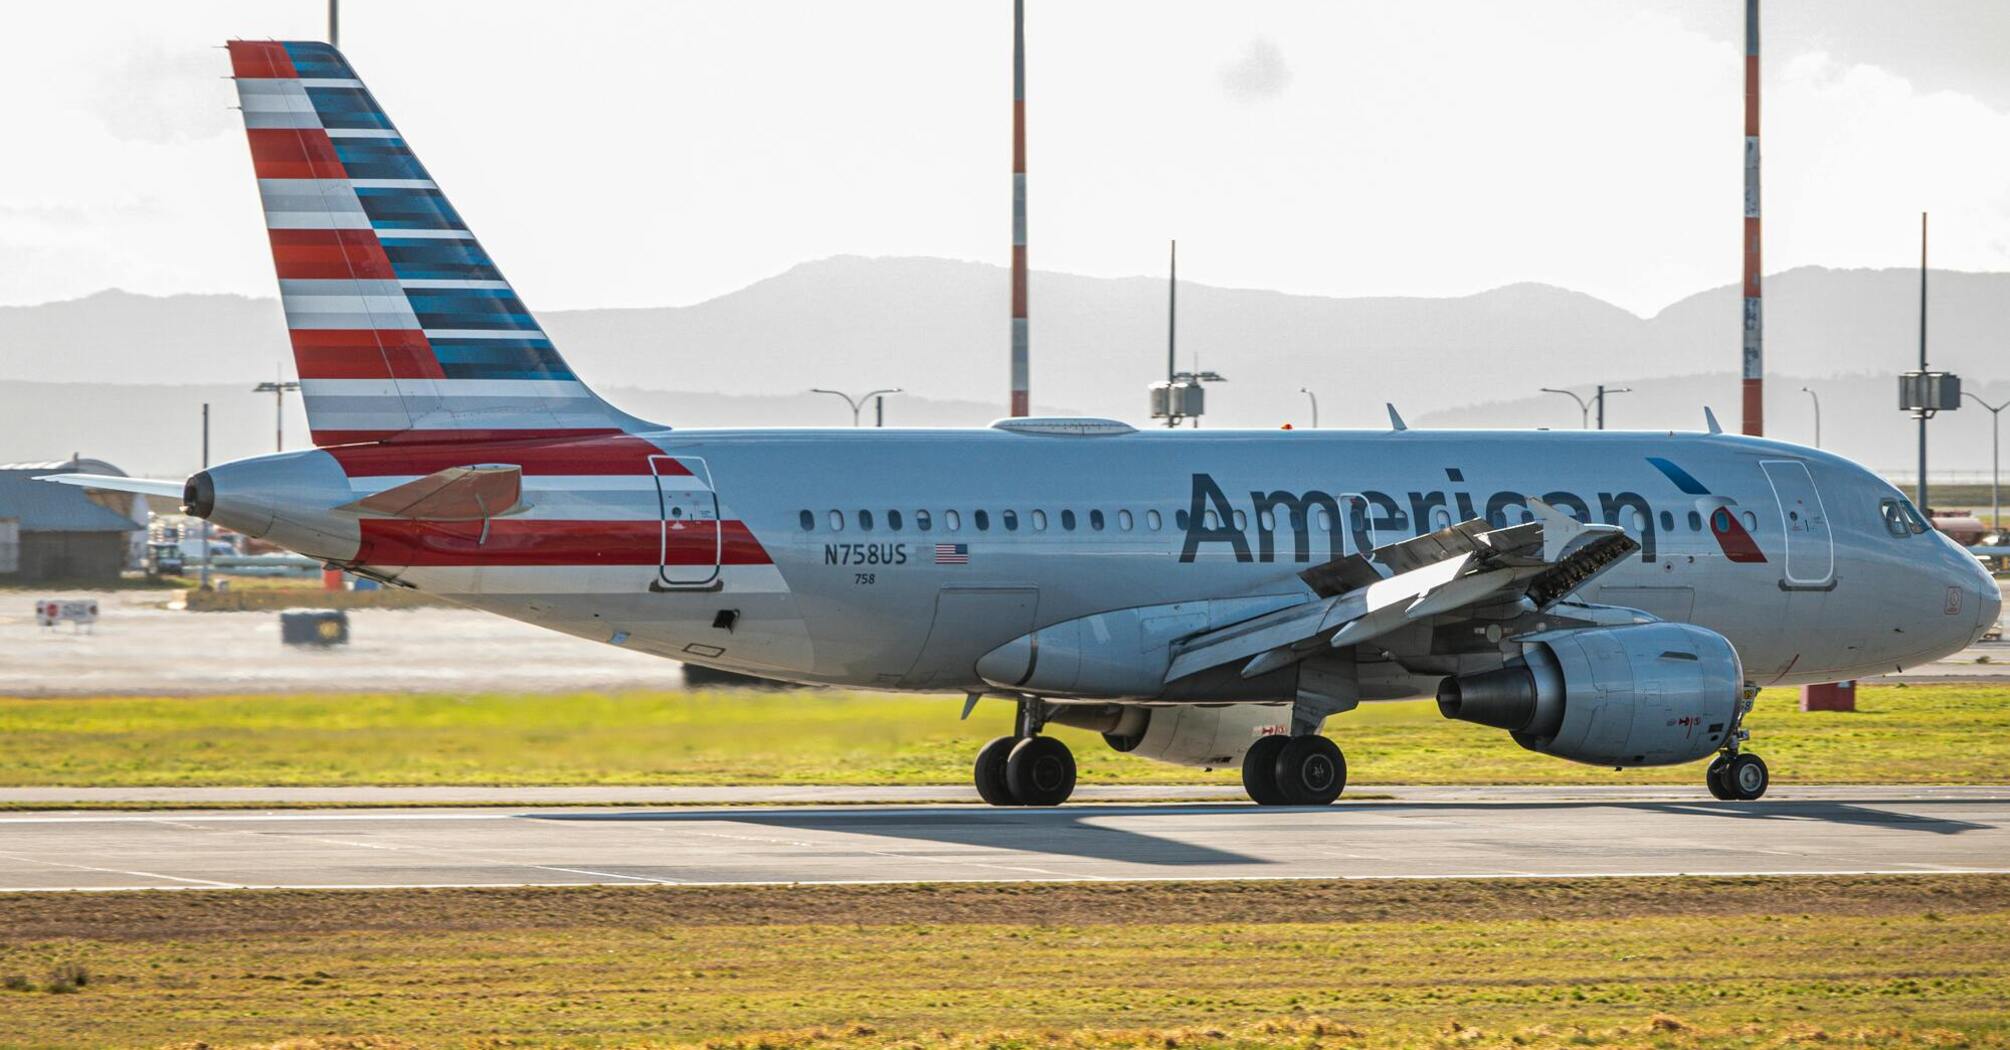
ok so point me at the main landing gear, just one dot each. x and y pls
(1735, 775)
(1026, 769)
(1293, 771)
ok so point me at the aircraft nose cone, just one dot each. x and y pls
(1988, 606)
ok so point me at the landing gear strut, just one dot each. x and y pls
(1026, 769)
(1736, 775)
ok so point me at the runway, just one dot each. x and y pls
(1843, 830)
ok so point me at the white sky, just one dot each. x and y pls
(627, 154)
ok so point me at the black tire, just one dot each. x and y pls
(1259, 771)
(1713, 778)
(1747, 777)
(1040, 772)
(1310, 771)
(990, 771)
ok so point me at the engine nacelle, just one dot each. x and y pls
(1209, 735)
(1650, 694)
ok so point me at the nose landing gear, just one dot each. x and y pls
(1026, 769)
(1735, 775)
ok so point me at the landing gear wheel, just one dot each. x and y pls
(1714, 778)
(1040, 772)
(1259, 771)
(1310, 771)
(991, 785)
(1746, 777)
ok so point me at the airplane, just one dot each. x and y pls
(1204, 598)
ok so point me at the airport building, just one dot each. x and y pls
(56, 532)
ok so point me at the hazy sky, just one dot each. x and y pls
(616, 154)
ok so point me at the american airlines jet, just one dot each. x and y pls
(1200, 598)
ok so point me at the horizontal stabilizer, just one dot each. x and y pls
(114, 483)
(474, 493)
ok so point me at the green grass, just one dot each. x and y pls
(1676, 964)
(1920, 734)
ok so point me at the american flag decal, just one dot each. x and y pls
(952, 554)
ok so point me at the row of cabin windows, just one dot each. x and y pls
(1125, 521)
(952, 521)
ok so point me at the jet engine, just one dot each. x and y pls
(1205, 735)
(1650, 694)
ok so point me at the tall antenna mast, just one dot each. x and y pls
(1755, 358)
(1021, 395)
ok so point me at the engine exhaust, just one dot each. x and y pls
(1503, 699)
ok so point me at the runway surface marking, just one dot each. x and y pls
(947, 843)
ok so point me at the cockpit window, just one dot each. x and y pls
(1900, 518)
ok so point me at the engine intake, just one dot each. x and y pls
(1638, 695)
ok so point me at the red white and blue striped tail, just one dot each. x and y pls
(402, 327)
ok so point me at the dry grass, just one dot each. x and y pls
(1669, 963)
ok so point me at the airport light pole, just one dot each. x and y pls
(858, 403)
(1583, 406)
(278, 389)
(1314, 398)
(1816, 398)
(1602, 391)
(1995, 459)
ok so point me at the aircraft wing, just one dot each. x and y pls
(1463, 566)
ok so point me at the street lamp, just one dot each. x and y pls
(858, 404)
(1995, 459)
(1816, 398)
(1583, 407)
(1314, 398)
(278, 390)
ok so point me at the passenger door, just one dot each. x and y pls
(691, 542)
(1809, 544)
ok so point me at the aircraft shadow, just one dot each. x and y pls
(1065, 830)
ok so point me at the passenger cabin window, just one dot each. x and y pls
(1068, 520)
(809, 521)
(1124, 520)
(1153, 521)
(952, 521)
(1667, 522)
(1695, 522)
(922, 523)
(1011, 520)
(1096, 520)
(893, 520)
(981, 519)
(1039, 520)
(1180, 518)
(865, 521)
(837, 521)
(1241, 521)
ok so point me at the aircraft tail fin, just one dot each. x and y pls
(402, 327)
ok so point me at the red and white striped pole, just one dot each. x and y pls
(1755, 358)
(1020, 366)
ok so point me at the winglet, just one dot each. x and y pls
(1395, 420)
(1710, 419)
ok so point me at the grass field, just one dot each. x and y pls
(1918, 734)
(1671, 963)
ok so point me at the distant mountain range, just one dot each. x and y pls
(937, 329)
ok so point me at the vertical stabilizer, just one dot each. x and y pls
(402, 327)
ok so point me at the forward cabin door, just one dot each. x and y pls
(692, 544)
(1810, 545)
